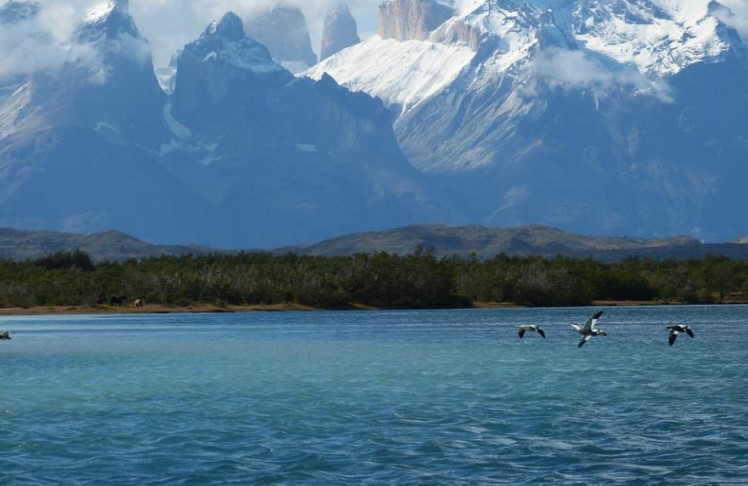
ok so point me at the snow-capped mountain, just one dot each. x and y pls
(76, 142)
(297, 156)
(242, 154)
(636, 41)
(617, 116)
(614, 116)
(106, 58)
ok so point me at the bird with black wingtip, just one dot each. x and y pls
(588, 330)
(530, 327)
(676, 329)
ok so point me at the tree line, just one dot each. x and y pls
(382, 280)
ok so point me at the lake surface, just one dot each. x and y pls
(407, 397)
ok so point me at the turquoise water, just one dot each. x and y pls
(411, 397)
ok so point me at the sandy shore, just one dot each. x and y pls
(162, 309)
(152, 309)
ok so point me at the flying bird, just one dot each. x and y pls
(588, 330)
(5, 335)
(676, 329)
(530, 327)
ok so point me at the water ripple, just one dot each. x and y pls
(434, 397)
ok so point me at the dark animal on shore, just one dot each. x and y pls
(5, 335)
(117, 299)
(138, 303)
(100, 301)
(676, 329)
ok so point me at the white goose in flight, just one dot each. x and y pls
(588, 330)
(676, 329)
(530, 327)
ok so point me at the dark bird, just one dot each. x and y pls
(676, 329)
(5, 335)
(588, 330)
(530, 327)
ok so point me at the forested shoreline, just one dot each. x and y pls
(378, 280)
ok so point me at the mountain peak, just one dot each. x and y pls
(109, 20)
(229, 27)
(225, 41)
(724, 31)
(105, 9)
(340, 31)
(284, 31)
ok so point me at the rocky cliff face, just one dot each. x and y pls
(455, 31)
(222, 63)
(340, 31)
(411, 19)
(285, 33)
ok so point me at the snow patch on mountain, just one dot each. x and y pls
(426, 68)
(100, 12)
(236, 56)
(110, 35)
(660, 38)
(13, 110)
(179, 130)
(599, 45)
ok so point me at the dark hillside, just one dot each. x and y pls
(109, 245)
(532, 240)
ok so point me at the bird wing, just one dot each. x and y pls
(541, 332)
(521, 332)
(673, 336)
(590, 324)
(584, 340)
(689, 331)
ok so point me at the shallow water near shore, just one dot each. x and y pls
(405, 397)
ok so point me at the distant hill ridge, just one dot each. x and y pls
(519, 241)
(106, 246)
(486, 243)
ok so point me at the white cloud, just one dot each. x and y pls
(582, 70)
(43, 43)
(739, 18)
(169, 24)
(35, 45)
